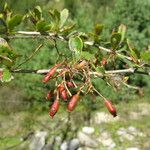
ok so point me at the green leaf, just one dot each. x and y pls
(57, 16)
(122, 30)
(38, 12)
(76, 44)
(14, 21)
(63, 17)
(67, 28)
(3, 26)
(146, 56)
(115, 40)
(7, 56)
(98, 29)
(87, 55)
(6, 75)
(100, 69)
(42, 26)
(134, 52)
(5, 8)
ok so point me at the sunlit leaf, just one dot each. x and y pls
(87, 55)
(100, 69)
(122, 30)
(146, 56)
(6, 75)
(76, 44)
(63, 17)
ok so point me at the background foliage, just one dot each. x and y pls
(85, 13)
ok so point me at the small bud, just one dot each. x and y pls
(103, 62)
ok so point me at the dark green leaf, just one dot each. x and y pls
(3, 26)
(98, 29)
(42, 26)
(38, 12)
(115, 40)
(57, 16)
(14, 21)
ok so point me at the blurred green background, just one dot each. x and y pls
(25, 95)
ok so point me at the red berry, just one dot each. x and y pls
(104, 61)
(70, 85)
(111, 108)
(73, 102)
(54, 108)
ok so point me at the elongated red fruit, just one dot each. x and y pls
(51, 73)
(70, 85)
(49, 95)
(64, 95)
(54, 108)
(73, 102)
(111, 108)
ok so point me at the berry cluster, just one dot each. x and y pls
(64, 86)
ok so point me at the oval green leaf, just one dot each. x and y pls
(14, 21)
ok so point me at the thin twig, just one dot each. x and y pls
(98, 93)
(6, 58)
(131, 86)
(36, 50)
(64, 80)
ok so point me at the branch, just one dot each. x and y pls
(29, 34)
(130, 70)
(97, 74)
